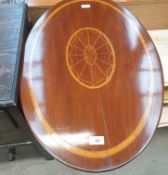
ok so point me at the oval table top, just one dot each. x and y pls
(92, 84)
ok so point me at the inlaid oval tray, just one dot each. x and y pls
(92, 84)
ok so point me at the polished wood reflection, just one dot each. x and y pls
(92, 84)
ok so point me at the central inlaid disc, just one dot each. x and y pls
(90, 57)
(90, 54)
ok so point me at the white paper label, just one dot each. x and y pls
(85, 6)
(96, 140)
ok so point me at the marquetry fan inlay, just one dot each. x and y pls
(90, 57)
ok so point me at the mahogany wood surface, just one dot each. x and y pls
(90, 69)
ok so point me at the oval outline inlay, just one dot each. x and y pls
(142, 122)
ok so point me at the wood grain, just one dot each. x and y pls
(164, 119)
(166, 96)
(152, 13)
(70, 52)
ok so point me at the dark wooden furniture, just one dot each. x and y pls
(92, 84)
(12, 34)
(13, 128)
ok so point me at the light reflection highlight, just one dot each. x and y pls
(66, 140)
(133, 37)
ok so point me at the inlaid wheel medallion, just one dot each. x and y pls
(90, 57)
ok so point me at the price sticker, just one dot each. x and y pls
(85, 6)
(96, 140)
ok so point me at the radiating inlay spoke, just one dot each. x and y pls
(103, 54)
(101, 46)
(77, 55)
(73, 65)
(77, 47)
(82, 71)
(94, 65)
(98, 36)
(104, 62)
(88, 37)
(91, 70)
(100, 69)
(80, 40)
